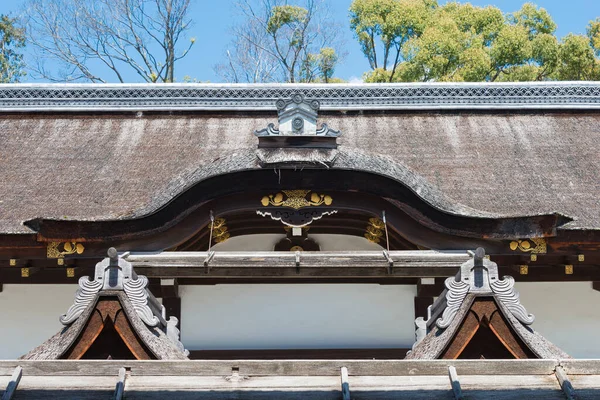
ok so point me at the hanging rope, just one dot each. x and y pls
(387, 238)
(212, 226)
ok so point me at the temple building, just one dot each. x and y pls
(300, 241)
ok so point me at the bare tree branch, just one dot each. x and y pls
(92, 39)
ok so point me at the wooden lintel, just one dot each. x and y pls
(291, 367)
(596, 285)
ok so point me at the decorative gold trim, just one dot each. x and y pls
(53, 250)
(568, 269)
(70, 272)
(376, 223)
(60, 261)
(533, 257)
(12, 262)
(534, 245)
(524, 269)
(25, 272)
(296, 248)
(580, 257)
(220, 231)
(372, 238)
(296, 199)
(375, 230)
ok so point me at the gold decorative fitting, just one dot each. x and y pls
(375, 230)
(568, 269)
(24, 272)
(376, 223)
(61, 249)
(371, 238)
(220, 231)
(70, 272)
(12, 262)
(222, 238)
(296, 248)
(296, 199)
(60, 261)
(523, 269)
(534, 245)
(533, 257)
(581, 257)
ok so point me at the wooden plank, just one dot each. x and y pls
(11, 388)
(282, 367)
(565, 383)
(581, 367)
(455, 383)
(315, 264)
(300, 354)
(503, 387)
(120, 387)
(345, 383)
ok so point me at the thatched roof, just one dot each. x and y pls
(115, 164)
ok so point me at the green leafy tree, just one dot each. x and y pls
(577, 61)
(383, 27)
(12, 39)
(462, 42)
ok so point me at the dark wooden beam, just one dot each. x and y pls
(421, 305)
(596, 285)
(300, 354)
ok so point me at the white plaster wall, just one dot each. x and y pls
(29, 315)
(266, 242)
(566, 313)
(295, 316)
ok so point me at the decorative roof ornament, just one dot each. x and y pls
(479, 315)
(297, 126)
(115, 274)
(478, 276)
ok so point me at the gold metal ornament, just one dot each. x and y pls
(70, 272)
(296, 199)
(568, 270)
(523, 269)
(220, 231)
(375, 230)
(61, 249)
(534, 245)
(25, 272)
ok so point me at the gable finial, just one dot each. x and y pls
(297, 117)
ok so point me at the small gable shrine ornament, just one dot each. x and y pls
(297, 127)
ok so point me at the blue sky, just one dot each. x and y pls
(213, 18)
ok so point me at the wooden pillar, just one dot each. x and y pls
(170, 298)
(427, 290)
(421, 304)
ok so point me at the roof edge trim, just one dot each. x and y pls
(332, 97)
